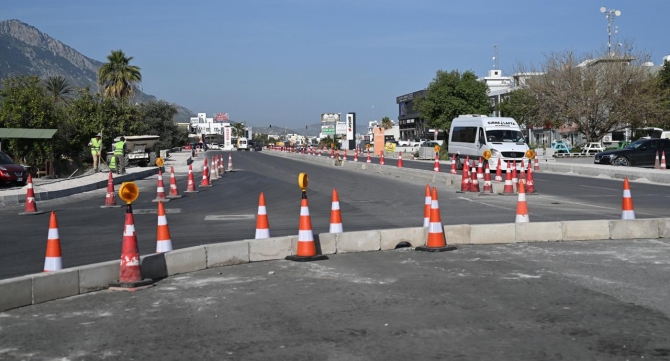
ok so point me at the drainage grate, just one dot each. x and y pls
(229, 217)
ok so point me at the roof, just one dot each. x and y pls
(27, 133)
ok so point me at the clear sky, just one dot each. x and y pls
(284, 62)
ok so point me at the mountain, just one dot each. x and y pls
(28, 51)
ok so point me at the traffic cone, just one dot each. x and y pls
(530, 185)
(174, 192)
(345, 156)
(31, 206)
(190, 185)
(436, 167)
(509, 185)
(522, 207)
(426, 207)
(160, 190)
(663, 165)
(627, 211)
(657, 165)
(213, 172)
(335, 215)
(332, 153)
(522, 175)
(488, 187)
(453, 165)
(53, 260)
(436, 241)
(219, 166)
(537, 164)
(130, 272)
(262, 224)
(381, 160)
(400, 160)
(480, 171)
(368, 160)
(465, 178)
(205, 171)
(306, 250)
(110, 198)
(498, 177)
(230, 162)
(474, 182)
(163, 240)
(515, 177)
(356, 156)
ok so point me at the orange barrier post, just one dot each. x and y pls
(663, 165)
(474, 183)
(509, 186)
(53, 260)
(335, 214)
(530, 184)
(465, 178)
(381, 158)
(190, 186)
(480, 171)
(205, 171)
(31, 206)
(453, 165)
(498, 177)
(163, 240)
(400, 160)
(262, 223)
(426, 207)
(306, 248)
(174, 192)
(368, 160)
(488, 187)
(522, 207)
(230, 162)
(213, 172)
(160, 190)
(130, 272)
(110, 198)
(627, 211)
(436, 241)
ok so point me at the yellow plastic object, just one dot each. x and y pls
(367, 146)
(437, 148)
(530, 154)
(159, 162)
(303, 181)
(486, 154)
(128, 192)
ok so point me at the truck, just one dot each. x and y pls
(140, 150)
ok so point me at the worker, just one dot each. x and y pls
(96, 144)
(120, 155)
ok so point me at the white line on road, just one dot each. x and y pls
(229, 217)
(486, 204)
(612, 189)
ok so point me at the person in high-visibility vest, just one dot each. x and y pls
(96, 145)
(119, 154)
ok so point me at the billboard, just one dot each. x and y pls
(221, 117)
(351, 129)
(329, 123)
(341, 128)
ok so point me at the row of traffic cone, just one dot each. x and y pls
(662, 164)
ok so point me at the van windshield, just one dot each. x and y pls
(507, 136)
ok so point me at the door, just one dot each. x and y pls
(645, 154)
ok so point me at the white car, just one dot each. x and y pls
(214, 146)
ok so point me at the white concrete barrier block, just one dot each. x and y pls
(358, 241)
(492, 233)
(186, 260)
(539, 232)
(585, 230)
(634, 228)
(16, 292)
(270, 248)
(227, 254)
(97, 276)
(664, 227)
(389, 238)
(327, 244)
(457, 234)
(49, 286)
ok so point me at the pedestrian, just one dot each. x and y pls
(96, 144)
(120, 152)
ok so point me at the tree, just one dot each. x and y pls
(386, 123)
(663, 86)
(117, 78)
(520, 104)
(158, 119)
(238, 130)
(451, 94)
(58, 89)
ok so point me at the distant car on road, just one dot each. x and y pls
(641, 153)
(215, 146)
(10, 172)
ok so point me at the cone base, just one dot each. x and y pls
(191, 191)
(30, 213)
(435, 249)
(114, 206)
(318, 257)
(203, 185)
(161, 200)
(486, 193)
(174, 197)
(131, 286)
(508, 194)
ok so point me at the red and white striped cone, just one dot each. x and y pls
(400, 160)
(130, 272)
(213, 172)
(160, 190)
(436, 166)
(537, 164)
(530, 184)
(356, 156)
(498, 177)
(110, 198)
(306, 250)
(627, 210)
(522, 207)
(262, 223)
(426, 207)
(657, 165)
(522, 175)
(230, 162)
(368, 160)
(31, 206)
(163, 239)
(515, 177)
(335, 214)
(190, 184)
(480, 171)
(465, 178)
(381, 159)
(436, 241)
(663, 165)
(509, 185)
(53, 261)
(219, 166)
(488, 187)
(345, 156)
(332, 153)
(453, 165)
(205, 176)
(474, 182)
(174, 192)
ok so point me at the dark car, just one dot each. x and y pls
(641, 153)
(11, 172)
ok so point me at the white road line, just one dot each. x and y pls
(486, 204)
(612, 189)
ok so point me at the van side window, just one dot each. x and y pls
(464, 134)
(482, 139)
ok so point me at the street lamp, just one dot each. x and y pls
(610, 14)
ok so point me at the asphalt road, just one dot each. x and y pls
(226, 212)
(544, 301)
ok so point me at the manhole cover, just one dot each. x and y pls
(229, 217)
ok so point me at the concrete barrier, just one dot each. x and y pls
(492, 233)
(539, 232)
(270, 248)
(49, 286)
(361, 241)
(457, 234)
(326, 243)
(585, 230)
(634, 228)
(97, 276)
(390, 238)
(664, 227)
(16, 292)
(186, 260)
(227, 254)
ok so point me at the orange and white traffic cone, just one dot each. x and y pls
(381, 159)
(53, 260)
(657, 165)
(110, 198)
(488, 187)
(663, 165)
(356, 155)
(498, 177)
(306, 250)
(344, 159)
(515, 177)
(530, 184)
(509, 185)
(537, 164)
(174, 192)
(335, 215)
(400, 160)
(436, 166)
(230, 162)
(465, 178)
(163, 240)
(368, 160)
(474, 182)
(332, 153)
(480, 171)
(522, 173)
(426, 207)
(436, 241)
(214, 172)
(262, 223)
(190, 185)
(160, 190)
(130, 272)
(31, 206)
(522, 207)
(453, 165)
(205, 177)
(627, 211)
(219, 166)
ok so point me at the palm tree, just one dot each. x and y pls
(58, 88)
(238, 130)
(386, 123)
(117, 78)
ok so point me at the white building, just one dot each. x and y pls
(207, 126)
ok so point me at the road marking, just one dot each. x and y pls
(229, 217)
(612, 189)
(485, 204)
(155, 211)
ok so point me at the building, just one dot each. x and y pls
(410, 125)
(207, 126)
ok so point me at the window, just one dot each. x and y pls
(464, 134)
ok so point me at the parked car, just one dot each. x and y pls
(641, 153)
(10, 172)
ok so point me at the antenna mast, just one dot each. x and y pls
(495, 56)
(610, 14)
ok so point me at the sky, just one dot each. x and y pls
(284, 62)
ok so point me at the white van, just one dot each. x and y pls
(470, 135)
(243, 144)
